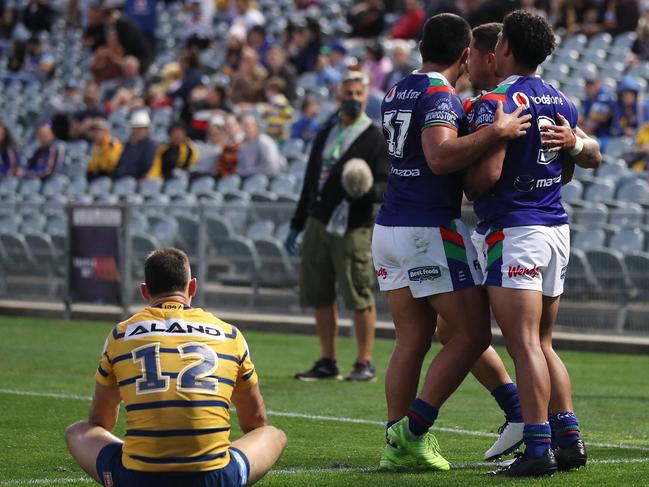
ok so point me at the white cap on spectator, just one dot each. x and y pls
(217, 121)
(140, 119)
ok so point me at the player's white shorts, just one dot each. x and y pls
(481, 249)
(533, 257)
(428, 260)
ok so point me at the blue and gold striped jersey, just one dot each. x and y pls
(176, 368)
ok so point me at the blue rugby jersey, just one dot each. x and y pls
(529, 189)
(415, 197)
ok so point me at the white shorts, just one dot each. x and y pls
(478, 243)
(534, 257)
(428, 260)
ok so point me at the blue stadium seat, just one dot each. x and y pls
(580, 283)
(255, 183)
(636, 191)
(260, 229)
(138, 223)
(175, 186)
(617, 146)
(202, 185)
(9, 223)
(592, 215)
(150, 186)
(611, 273)
(283, 184)
(29, 186)
(33, 223)
(263, 197)
(217, 230)
(101, 185)
(589, 239)
(572, 191)
(55, 185)
(627, 215)
(637, 263)
(627, 240)
(601, 40)
(19, 260)
(8, 185)
(614, 170)
(244, 265)
(278, 270)
(46, 257)
(600, 192)
(188, 229)
(164, 228)
(141, 246)
(105, 199)
(229, 183)
(125, 186)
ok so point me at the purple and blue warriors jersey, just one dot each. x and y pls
(415, 197)
(529, 189)
(176, 368)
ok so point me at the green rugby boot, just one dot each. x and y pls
(393, 458)
(424, 450)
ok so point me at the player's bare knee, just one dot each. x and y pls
(280, 437)
(74, 431)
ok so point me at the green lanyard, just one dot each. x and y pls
(335, 152)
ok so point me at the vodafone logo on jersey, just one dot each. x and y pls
(390, 96)
(521, 100)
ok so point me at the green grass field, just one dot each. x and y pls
(335, 429)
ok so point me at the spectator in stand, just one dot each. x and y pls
(227, 163)
(38, 63)
(17, 55)
(204, 103)
(410, 23)
(337, 58)
(94, 36)
(8, 23)
(307, 43)
(259, 41)
(60, 109)
(106, 63)
(367, 18)
(615, 17)
(92, 108)
(235, 44)
(139, 151)
(401, 64)
(198, 23)
(247, 85)
(326, 75)
(307, 126)
(38, 16)
(377, 65)
(129, 79)
(105, 153)
(640, 48)
(247, 15)
(213, 149)
(598, 109)
(191, 76)
(129, 37)
(277, 112)
(279, 67)
(179, 154)
(632, 109)
(258, 153)
(48, 157)
(9, 155)
(143, 14)
(639, 159)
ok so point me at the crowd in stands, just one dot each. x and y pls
(218, 87)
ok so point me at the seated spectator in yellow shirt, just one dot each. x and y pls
(278, 112)
(179, 153)
(105, 152)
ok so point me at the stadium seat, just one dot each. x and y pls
(164, 228)
(577, 41)
(156, 201)
(627, 240)
(293, 149)
(138, 223)
(217, 230)
(19, 260)
(188, 230)
(580, 283)
(589, 239)
(55, 185)
(125, 186)
(243, 259)
(636, 191)
(611, 273)
(45, 257)
(210, 198)
(9, 223)
(637, 263)
(141, 246)
(627, 215)
(57, 224)
(613, 170)
(175, 186)
(297, 169)
(29, 186)
(592, 215)
(234, 195)
(105, 199)
(255, 183)
(8, 185)
(101, 185)
(278, 270)
(260, 229)
(202, 185)
(263, 197)
(283, 184)
(625, 40)
(150, 186)
(601, 41)
(572, 191)
(33, 223)
(600, 192)
(228, 183)
(617, 146)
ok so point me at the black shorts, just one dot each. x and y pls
(113, 473)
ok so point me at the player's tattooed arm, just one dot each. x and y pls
(481, 177)
(105, 406)
(251, 410)
(561, 137)
(446, 152)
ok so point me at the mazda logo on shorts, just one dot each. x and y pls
(524, 183)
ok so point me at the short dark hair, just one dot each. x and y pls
(485, 36)
(529, 36)
(444, 38)
(166, 270)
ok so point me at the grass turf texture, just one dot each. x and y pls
(51, 356)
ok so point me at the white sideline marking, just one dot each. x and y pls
(316, 417)
(297, 471)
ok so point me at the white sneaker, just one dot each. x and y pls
(511, 437)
